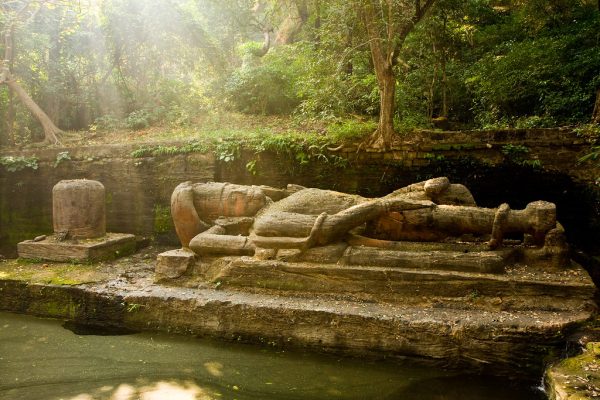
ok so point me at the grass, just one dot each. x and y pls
(213, 127)
(35, 271)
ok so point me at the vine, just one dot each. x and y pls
(14, 164)
(301, 147)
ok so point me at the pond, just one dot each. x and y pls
(41, 359)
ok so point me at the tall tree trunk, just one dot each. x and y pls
(387, 93)
(596, 112)
(50, 130)
(444, 87)
(10, 112)
(297, 15)
(382, 57)
(386, 35)
(431, 102)
(10, 120)
(52, 100)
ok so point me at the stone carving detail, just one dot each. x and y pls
(228, 219)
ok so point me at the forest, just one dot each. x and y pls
(356, 67)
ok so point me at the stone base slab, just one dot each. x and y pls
(108, 247)
(500, 343)
(517, 289)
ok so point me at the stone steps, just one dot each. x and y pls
(453, 330)
(516, 289)
(496, 342)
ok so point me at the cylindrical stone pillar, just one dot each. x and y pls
(78, 207)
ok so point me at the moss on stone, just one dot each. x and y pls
(577, 377)
(35, 271)
(163, 222)
(58, 309)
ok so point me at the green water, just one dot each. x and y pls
(39, 359)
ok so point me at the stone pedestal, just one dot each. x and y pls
(108, 247)
(78, 213)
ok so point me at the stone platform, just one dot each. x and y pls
(109, 246)
(508, 324)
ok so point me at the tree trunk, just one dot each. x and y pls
(52, 100)
(387, 93)
(384, 71)
(596, 112)
(444, 88)
(50, 130)
(9, 57)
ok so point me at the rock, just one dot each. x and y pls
(173, 264)
(39, 238)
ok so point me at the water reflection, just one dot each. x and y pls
(40, 360)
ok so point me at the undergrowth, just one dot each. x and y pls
(302, 147)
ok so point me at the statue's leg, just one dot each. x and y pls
(292, 230)
(186, 219)
(334, 227)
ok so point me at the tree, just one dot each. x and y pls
(13, 12)
(388, 23)
(596, 112)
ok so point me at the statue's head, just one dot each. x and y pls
(215, 199)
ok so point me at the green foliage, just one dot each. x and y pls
(591, 133)
(134, 307)
(228, 150)
(593, 155)
(302, 147)
(106, 123)
(60, 157)
(133, 64)
(268, 87)
(516, 154)
(539, 80)
(137, 120)
(163, 222)
(349, 130)
(160, 150)
(514, 151)
(15, 164)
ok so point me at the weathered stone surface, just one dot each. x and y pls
(78, 208)
(110, 246)
(502, 341)
(503, 344)
(205, 217)
(174, 263)
(484, 262)
(517, 289)
(575, 378)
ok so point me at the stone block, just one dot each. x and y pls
(173, 263)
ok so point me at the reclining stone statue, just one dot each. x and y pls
(228, 219)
